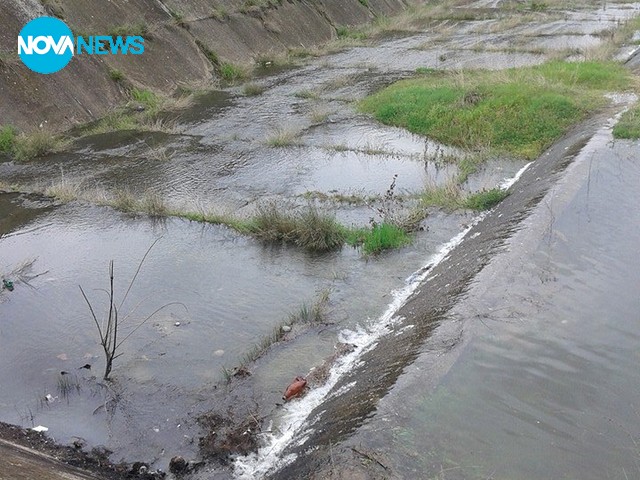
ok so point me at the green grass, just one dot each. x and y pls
(378, 238)
(448, 196)
(147, 98)
(485, 199)
(518, 111)
(7, 139)
(283, 137)
(309, 228)
(232, 73)
(37, 144)
(116, 75)
(219, 13)
(628, 127)
(344, 31)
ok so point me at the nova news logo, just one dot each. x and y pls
(47, 44)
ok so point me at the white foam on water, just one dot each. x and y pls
(269, 457)
(508, 183)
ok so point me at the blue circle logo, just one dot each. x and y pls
(45, 45)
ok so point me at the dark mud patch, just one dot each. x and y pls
(95, 461)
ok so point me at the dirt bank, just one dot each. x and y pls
(26, 454)
(176, 35)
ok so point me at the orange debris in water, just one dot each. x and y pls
(295, 389)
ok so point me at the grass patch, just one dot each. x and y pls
(37, 144)
(307, 94)
(519, 111)
(253, 89)
(64, 191)
(485, 199)
(116, 75)
(309, 228)
(7, 139)
(113, 122)
(628, 127)
(283, 137)
(344, 31)
(146, 98)
(219, 13)
(153, 204)
(319, 114)
(378, 238)
(232, 73)
(448, 196)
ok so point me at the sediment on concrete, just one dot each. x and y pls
(178, 34)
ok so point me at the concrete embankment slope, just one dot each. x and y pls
(356, 395)
(20, 463)
(177, 35)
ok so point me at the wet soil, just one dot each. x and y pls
(26, 454)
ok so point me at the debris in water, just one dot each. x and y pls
(40, 428)
(8, 284)
(295, 389)
(218, 353)
(286, 328)
(242, 372)
(177, 324)
(50, 398)
(85, 366)
(178, 465)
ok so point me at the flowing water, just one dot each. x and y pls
(544, 383)
(236, 289)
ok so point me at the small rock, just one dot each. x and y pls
(178, 465)
(139, 468)
(286, 328)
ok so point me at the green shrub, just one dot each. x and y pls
(7, 139)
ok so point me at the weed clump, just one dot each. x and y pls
(378, 238)
(36, 144)
(309, 228)
(628, 127)
(232, 73)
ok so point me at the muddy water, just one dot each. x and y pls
(234, 288)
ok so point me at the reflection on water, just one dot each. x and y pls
(546, 384)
